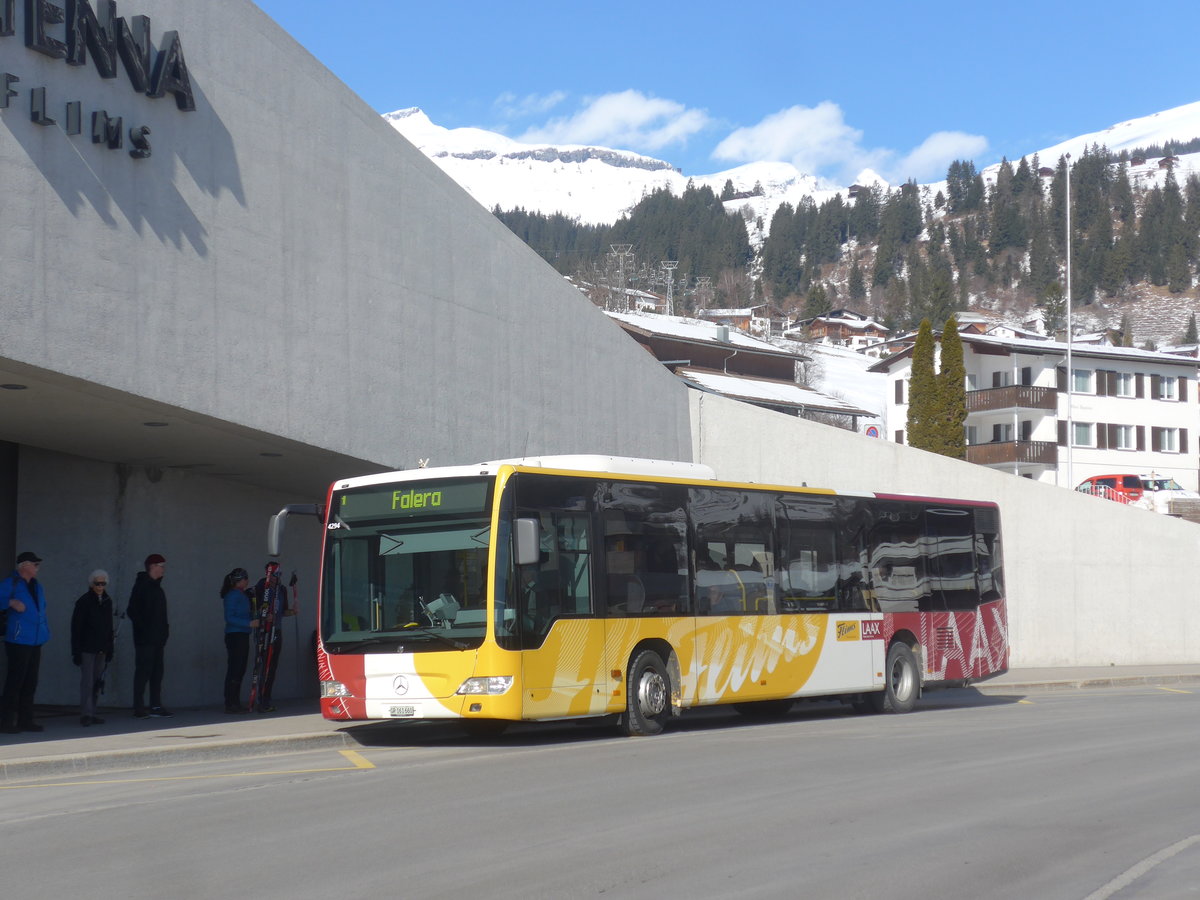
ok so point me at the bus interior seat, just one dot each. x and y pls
(627, 590)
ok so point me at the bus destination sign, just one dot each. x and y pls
(423, 498)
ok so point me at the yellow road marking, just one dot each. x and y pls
(1026, 702)
(356, 758)
(1172, 690)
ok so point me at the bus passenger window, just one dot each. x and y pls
(645, 549)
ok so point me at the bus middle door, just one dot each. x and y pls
(562, 659)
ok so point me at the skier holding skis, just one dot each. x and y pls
(270, 606)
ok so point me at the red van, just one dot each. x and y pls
(1152, 491)
(1121, 488)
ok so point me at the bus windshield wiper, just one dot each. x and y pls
(346, 646)
(450, 642)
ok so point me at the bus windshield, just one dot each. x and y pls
(405, 567)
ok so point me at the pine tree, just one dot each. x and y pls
(1054, 307)
(857, 288)
(922, 391)
(1179, 275)
(951, 413)
(817, 301)
(1126, 331)
(1191, 336)
(933, 295)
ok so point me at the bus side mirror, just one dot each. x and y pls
(529, 545)
(274, 535)
(275, 529)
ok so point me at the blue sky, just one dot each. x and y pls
(832, 87)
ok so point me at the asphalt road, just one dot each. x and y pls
(1074, 794)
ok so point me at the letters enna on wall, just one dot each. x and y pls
(76, 30)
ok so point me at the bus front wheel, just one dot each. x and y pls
(649, 695)
(902, 681)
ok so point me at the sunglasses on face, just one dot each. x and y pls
(100, 583)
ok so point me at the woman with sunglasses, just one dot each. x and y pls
(238, 625)
(92, 643)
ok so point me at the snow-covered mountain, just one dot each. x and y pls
(598, 184)
(592, 184)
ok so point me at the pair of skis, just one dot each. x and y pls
(270, 610)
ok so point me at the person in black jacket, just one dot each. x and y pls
(147, 611)
(92, 643)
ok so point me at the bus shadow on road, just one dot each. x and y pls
(714, 718)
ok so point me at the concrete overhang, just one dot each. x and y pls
(69, 415)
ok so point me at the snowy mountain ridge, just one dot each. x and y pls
(598, 184)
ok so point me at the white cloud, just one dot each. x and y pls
(510, 106)
(812, 139)
(932, 158)
(818, 140)
(624, 120)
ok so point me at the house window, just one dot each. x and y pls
(899, 392)
(972, 381)
(1124, 384)
(1124, 437)
(1085, 435)
(1002, 433)
(1001, 379)
(1026, 375)
(1165, 440)
(972, 435)
(1081, 382)
(1167, 388)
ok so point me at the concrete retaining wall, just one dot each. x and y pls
(1090, 582)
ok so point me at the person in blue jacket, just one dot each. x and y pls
(238, 625)
(27, 631)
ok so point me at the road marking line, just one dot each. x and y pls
(360, 763)
(357, 758)
(1026, 702)
(1172, 690)
(1133, 873)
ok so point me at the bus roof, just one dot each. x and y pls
(617, 465)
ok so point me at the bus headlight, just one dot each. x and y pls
(491, 684)
(334, 689)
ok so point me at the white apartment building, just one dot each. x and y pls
(1120, 409)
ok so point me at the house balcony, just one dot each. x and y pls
(1002, 453)
(1014, 396)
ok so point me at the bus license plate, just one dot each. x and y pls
(402, 712)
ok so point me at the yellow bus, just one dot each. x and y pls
(575, 586)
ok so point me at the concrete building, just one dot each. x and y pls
(1126, 410)
(225, 281)
(217, 300)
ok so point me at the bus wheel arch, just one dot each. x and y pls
(901, 677)
(651, 689)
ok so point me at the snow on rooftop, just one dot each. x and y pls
(692, 330)
(763, 390)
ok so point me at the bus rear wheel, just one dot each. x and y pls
(649, 695)
(902, 681)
